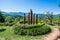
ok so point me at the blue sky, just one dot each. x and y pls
(38, 6)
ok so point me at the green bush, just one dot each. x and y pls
(32, 29)
(21, 22)
(1, 30)
(6, 24)
(1, 24)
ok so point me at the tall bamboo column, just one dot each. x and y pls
(31, 16)
(36, 18)
(24, 18)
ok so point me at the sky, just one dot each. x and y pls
(38, 6)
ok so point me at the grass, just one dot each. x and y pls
(8, 34)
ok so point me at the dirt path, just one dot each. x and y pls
(53, 35)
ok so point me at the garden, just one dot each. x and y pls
(27, 27)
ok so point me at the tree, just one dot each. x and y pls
(57, 20)
(10, 19)
(1, 17)
(50, 17)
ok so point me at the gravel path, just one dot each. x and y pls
(54, 35)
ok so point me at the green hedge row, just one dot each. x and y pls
(32, 30)
(6, 24)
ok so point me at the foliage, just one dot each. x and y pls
(22, 21)
(9, 19)
(12, 36)
(1, 17)
(1, 30)
(50, 17)
(12, 18)
(6, 24)
(57, 20)
(33, 30)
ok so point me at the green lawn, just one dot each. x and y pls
(8, 34)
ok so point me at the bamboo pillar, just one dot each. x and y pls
(24, 18)
(31, 16)
(36, 18)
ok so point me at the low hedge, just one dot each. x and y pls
(6, 24)
(2, 29)
(32, 30)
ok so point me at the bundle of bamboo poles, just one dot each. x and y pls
(32, 18)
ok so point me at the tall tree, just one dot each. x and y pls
(1, 17)
(57, 20)
(50, 17)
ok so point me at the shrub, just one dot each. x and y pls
(1, 30)
(6, 24)
(1, 24)
(32, 29)
(2, 19)
(23, 21)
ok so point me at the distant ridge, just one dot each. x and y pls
(22, 14)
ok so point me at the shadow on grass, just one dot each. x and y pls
(1, 30)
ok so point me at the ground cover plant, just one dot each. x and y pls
(9, 34)
(33, 30)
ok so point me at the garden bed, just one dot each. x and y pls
(32, 30)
